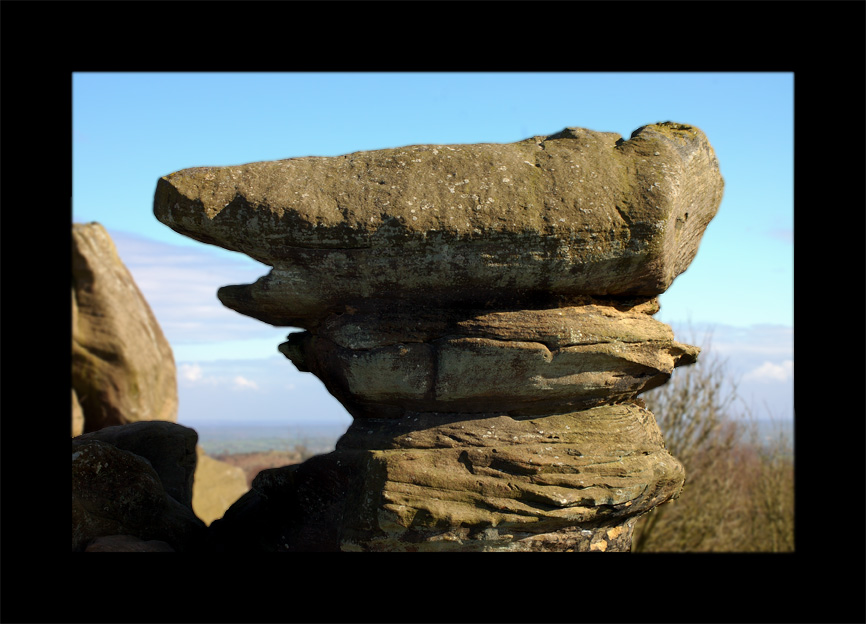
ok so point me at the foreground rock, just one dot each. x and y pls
(135, 480)
(485, 314)
(123, 369)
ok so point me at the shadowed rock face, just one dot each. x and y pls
(485, 314)
(135, 480)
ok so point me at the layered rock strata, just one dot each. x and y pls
(485, 314)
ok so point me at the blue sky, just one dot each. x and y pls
(129, 129)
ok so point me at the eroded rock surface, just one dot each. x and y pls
(521, 361)
(485, 314)
(578, 212)
(118, 492)
(123, 369)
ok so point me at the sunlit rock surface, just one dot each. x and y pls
(485, 314)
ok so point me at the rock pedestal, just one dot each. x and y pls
(484, 312)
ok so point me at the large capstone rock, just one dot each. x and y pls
(577, 212)
(123, 369)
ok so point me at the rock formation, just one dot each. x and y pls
(136, 480)
(123, 372)
(485, 314)
(122, 366)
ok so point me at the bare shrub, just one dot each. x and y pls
(738, 493)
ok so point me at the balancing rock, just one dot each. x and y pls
(484, 312)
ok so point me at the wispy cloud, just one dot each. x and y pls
(759, 360)
(180, 285)
(772, 342)
(216, 376)
(242, 383)
(768, 372)
(189, 372)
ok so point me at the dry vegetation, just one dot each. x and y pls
(739, 490)
(253, 463)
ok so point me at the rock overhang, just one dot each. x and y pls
(577, 212)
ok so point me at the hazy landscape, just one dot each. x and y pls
(229, 438)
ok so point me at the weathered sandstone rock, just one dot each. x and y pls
(170, 449)
(557, 482)
(521, 361)
(578, 212)
(123, 369)
(458, 482)
(116, 492)
(485, 314)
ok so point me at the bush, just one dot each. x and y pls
(738, 494)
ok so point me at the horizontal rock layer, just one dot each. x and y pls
(578, 212)
(522, 361)
(464, 482)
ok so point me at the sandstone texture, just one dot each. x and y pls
(123, 369)
(520, 362)
(485, 313)
(118, 492)
(147, 487)
(577, 212)
(169, 448)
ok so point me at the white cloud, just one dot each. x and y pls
(190, 372)
(242, 383)
(768, 372)
(180, 284)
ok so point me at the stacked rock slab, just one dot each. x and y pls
(485, 314)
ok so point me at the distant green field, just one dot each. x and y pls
(220, 438)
